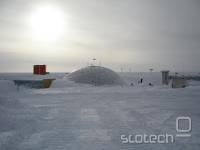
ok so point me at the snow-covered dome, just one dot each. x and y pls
(96, 75)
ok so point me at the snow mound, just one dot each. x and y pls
(7, 86)
(97, 76)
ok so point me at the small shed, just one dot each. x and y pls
(179, 83)
(39, 69)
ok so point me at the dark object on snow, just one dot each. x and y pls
(150, 84)
(131, 84)
(140, 81)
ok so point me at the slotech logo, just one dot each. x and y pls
(183, 126)
(183, 129)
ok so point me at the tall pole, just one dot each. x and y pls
(94, 60)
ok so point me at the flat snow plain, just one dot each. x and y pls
(71, 116)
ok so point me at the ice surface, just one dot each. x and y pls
(71, 116)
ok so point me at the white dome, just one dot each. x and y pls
(96, 75)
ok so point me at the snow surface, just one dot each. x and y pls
(7, 86)
(71, 116)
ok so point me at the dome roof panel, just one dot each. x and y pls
(96, 75)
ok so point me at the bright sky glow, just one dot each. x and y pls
(130, 34)
(47, 23)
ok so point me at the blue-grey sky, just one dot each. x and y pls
(136, 34)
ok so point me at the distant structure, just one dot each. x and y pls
(37, 84)
(151, 69)
(94, 62)
(173, 81)
(97, 76)
(39, 70)
(165, 77)
(178, 82)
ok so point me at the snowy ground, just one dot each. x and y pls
(69, 116)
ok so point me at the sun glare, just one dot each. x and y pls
(47, 23)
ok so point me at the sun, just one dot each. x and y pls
(47, 23)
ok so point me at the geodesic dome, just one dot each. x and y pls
(97, 76)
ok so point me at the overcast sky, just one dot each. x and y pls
(136, 34)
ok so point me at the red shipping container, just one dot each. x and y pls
(39, 69)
